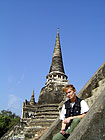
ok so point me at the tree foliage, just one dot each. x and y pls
(7, 120)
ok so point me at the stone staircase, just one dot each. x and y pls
(95, 93)
(44, 117)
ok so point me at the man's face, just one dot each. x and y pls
(70, 93)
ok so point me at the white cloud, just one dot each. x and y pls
(21, 79)
(15, 104)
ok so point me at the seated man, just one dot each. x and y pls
(73, 110)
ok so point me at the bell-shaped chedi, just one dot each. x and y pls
(56, 79)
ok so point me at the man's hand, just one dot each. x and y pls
(67, 120)
(63, 132)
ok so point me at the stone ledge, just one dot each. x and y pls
(93, 82)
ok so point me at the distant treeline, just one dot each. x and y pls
(7, 120)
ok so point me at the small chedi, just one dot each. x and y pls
(40, 120)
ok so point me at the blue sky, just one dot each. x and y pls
(28, 30)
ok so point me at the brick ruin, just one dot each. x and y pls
(51, 94)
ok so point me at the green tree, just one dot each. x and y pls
(7, 120)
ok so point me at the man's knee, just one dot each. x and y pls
(58, 136)
(77, 120)
(54, 138)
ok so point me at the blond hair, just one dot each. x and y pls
(68, 86)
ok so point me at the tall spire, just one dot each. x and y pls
(56, 79)
(57, 63)
(56, 73)
(32, 100)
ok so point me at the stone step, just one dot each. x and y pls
(96, 92)
(48, 106)
(50, 110)
(31, 131)
(42, 120)
(47, 113)
(46, 117)
(35, 133)
(37, 121)
(102, 82)
(92, 99)
(40, 133)
(40, 125)
(32, 128)
(89, 101)
(18, 137)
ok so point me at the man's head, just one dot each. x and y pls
(70, 91)
(69, 86)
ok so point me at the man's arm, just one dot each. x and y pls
(67, 120)
(63, 125)
(63, 128)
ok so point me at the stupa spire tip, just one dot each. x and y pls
(57, 30)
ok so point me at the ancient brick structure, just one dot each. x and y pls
(39, 116)
(51, 95)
